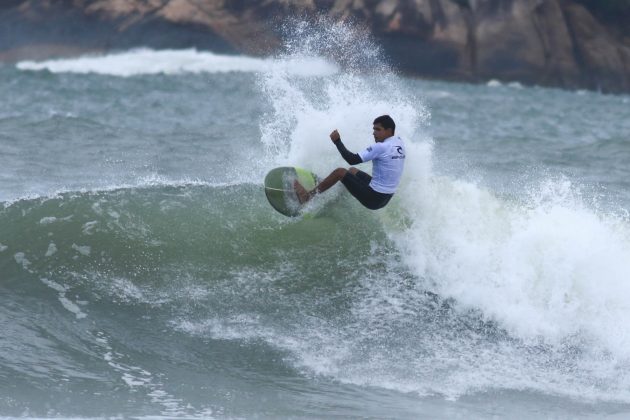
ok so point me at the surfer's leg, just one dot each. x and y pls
(334, 177)
(302, 194)
(358, 184)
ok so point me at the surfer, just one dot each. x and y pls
(388, 158)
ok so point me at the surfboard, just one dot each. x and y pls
(280, 191)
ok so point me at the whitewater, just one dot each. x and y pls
(143, 273)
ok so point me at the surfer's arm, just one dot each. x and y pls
(351, 158)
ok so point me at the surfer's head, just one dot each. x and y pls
(384, 127)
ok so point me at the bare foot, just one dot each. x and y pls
(302, 194)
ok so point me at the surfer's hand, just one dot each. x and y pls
(334, 136)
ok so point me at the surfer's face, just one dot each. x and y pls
(381, 133)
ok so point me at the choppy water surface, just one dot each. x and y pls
(143, 273)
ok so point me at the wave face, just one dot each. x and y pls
(143, 273)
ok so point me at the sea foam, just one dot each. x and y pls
(146, 61)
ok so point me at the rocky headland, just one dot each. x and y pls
(564, 43)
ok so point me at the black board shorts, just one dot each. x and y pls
(359, 187)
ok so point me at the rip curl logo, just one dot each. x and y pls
(401, 153)
(369, 149)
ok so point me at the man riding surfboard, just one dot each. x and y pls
(388, 159)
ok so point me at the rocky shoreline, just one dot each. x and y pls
(543, 42)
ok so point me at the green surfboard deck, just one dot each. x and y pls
(280, 192)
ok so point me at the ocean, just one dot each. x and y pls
(143, 273)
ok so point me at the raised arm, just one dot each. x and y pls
(351, 158)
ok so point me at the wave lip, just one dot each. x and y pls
(146, 61)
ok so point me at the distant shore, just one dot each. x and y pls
(565, 43)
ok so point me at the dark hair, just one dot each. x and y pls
(386, 121)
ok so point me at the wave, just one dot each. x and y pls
(140, 231)
(542, 266)
(69, 225)
(146, 62)
(548, 268)
(219, 263)
(546, 265)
